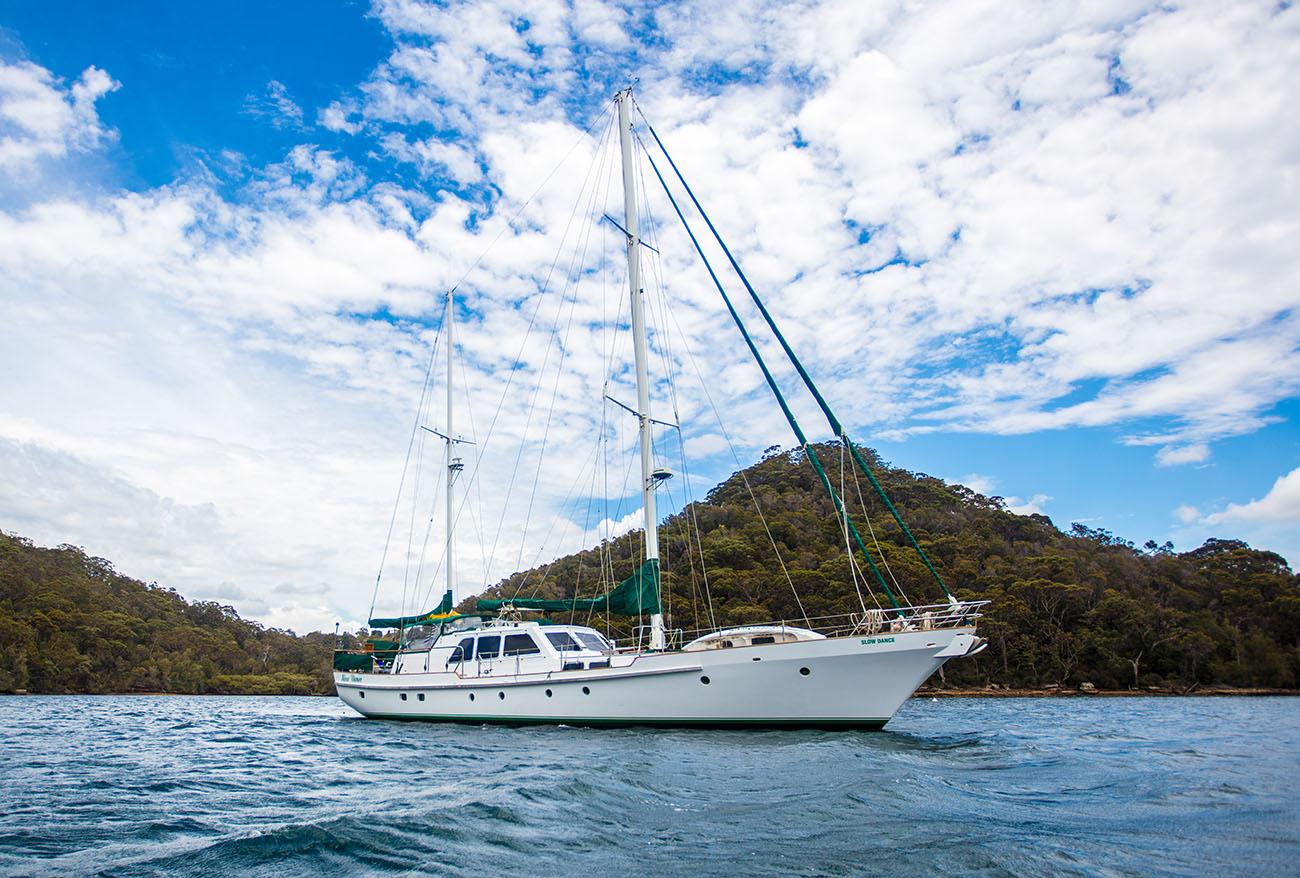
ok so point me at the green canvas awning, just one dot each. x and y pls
(637, 595)
(437, 614)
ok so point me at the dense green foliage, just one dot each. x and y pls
(70, 623)
(1068, 608)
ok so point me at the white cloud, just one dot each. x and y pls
(966, 217)
(1271, 521)
(433, 156)
(988, 486)
(1033, 506)
(1174, 455)
(335, 117)
(980, 484)
(1281, 505)
(275, 105)
(706, 445)
(41, 118)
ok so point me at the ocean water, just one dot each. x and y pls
(212, 786)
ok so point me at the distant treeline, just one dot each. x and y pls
(71, 623)
(1067, 608)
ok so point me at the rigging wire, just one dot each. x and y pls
(575, 264)
(509, 223)
(749, 489)
(397, 501)
(656, 263)
(518, 360)
(867, 516)
(514, 472)
(771, 382)
(606, 116)
(848, 547)
(834, 422)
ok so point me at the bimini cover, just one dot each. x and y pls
(442, 611)
(635, 596)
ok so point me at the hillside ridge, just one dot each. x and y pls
(1068, 608)
(1083, 606)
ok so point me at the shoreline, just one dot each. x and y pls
(923, 692)
(1214, 692)
(23, 693)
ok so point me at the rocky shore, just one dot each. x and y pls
(1088, 690)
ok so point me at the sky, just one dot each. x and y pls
(1044, 250)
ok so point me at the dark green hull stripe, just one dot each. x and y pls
(668, 723)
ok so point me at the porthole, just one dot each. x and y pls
(501, 695)
(363, 695)
(805, 671)
(704, 680)
(403, 696)
(420, 696)
(586, 690)
(757, 659)
(471, 696)
(549, 693)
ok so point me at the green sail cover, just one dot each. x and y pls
(634, 596)
(437, 613)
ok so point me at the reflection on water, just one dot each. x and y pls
(300, 786)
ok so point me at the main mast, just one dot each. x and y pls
(624, 101)
(452, 463)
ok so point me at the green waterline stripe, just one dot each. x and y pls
(603, 722)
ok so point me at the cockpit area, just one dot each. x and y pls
(524, 647)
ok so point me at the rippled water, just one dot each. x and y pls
(301, 786)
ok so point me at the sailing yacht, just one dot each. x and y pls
(496, 666)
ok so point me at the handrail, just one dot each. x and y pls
(923, 617)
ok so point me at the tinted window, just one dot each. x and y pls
(520, 644)
(562, 641)
(489, 647)
(764, 639)
(592, 641)
(467, 648)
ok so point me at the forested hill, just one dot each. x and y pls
(1067, 608)
(70, 623)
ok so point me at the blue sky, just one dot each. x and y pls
(201, 65)
(224, 230)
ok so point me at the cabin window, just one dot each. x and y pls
(520, 644)
(363, 695)
(420, 696)
(562, 641)
(464, 652)
(592, 640)
(489, 647)
(766, 638)
(403, 696)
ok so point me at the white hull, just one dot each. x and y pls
(839, 682)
